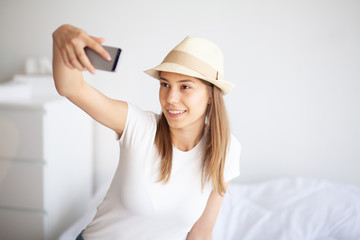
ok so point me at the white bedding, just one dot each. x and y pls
(282, 209)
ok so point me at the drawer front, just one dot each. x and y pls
(21, 185)
(21, 135)
(16, 225)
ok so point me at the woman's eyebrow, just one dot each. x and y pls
(161, 78)
(181, 81)
(186, 80)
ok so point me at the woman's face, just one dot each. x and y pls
(184, 101)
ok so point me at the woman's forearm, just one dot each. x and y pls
(202, 229)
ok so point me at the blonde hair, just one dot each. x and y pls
(216, 135)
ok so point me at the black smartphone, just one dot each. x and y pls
(100, 63)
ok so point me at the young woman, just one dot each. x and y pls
(175, 167)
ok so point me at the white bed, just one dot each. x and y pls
(281, 209)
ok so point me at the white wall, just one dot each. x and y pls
(295, 63)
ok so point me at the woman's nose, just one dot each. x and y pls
(173, 96)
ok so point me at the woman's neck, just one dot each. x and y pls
(185, 140)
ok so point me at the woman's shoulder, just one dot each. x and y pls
(139, 125)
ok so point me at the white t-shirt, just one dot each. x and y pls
(136, 206)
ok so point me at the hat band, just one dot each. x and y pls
(192, 62)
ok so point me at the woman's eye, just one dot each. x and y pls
(185, 87)
(164, 84)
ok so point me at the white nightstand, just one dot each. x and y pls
(45, 166)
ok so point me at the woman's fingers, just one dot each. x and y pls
(74, 60)
(80, 54)
(95, 44)
(66, 39)
(71, 42)
(98, 40)
(84, 60)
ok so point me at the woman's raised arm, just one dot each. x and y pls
(69, 60)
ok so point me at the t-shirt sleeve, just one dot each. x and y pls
(232, 162)
(137, 126)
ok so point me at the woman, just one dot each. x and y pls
(175, 167)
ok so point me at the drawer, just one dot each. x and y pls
(21, 135)
(16, 225)
(21, 185)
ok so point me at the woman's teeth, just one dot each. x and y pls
(175, 112)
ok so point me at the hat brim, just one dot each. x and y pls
(225, 86)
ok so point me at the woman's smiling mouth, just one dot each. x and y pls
(175, 113)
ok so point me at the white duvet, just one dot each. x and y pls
(290, 208)
(283, 209)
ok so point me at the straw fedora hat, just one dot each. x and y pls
(196, 57)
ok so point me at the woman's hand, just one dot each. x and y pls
(71, 41)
